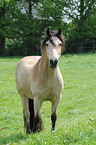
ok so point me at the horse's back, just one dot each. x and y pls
(29, 59)
(23, 72)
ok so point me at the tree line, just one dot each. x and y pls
(23, 24)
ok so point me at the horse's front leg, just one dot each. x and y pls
(54, 112)
(38, 124)
(25, 103)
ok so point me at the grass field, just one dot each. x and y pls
(76, 123)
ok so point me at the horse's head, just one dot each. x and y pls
(54, 44)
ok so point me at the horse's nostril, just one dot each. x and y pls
(53, 62)
(56, 61)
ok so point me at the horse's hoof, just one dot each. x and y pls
(53, 130)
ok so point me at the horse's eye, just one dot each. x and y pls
(60, 44)
(46, 44)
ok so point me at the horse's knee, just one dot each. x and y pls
(53, 119)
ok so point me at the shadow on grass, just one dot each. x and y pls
(13, 138)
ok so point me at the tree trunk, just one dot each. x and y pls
(2, 45)
(80, 46)
(93, 45)
(2, 38)
(80, 27)
(30, 9)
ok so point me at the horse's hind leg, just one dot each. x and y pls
(25, 103)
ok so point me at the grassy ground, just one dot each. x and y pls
(76, 123)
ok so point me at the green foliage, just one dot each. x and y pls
(76, 121)
(83, 24)
(18, 27)
(26, 20)
(51, 13)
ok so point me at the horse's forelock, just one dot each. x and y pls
(49, 37)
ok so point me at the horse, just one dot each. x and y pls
(38, 79)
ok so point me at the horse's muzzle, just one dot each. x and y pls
(53, 63)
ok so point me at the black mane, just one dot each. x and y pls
(49, 38)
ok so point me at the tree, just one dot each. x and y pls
(83, 16)
(6, 22)
(23, 21)
(2, 37)
(18, 29)
(51, 13)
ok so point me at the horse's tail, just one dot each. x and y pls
(31, 109)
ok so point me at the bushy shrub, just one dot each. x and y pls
(21, 47)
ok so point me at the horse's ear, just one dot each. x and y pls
(59, 31)
(48, 32)
(63, 47)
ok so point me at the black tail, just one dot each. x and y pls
(31, 109)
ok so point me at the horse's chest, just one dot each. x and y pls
(48, 90)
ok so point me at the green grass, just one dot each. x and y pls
(76, 123)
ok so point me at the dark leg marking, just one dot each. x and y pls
(53, 119)
(31, 109)
(24, 119)
(38, 124)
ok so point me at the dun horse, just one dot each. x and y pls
(39, 79)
